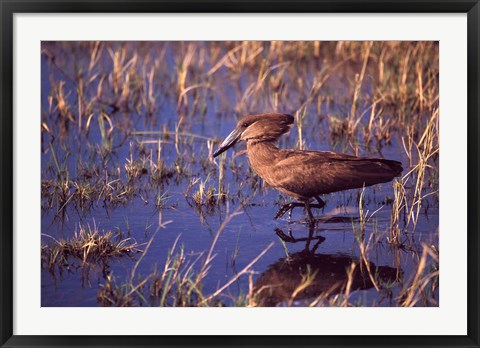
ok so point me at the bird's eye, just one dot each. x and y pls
(245, 125)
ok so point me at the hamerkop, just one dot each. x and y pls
(302, 174)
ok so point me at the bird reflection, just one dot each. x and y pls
(327, 273)
(308, 240)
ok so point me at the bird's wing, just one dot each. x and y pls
(315, 172)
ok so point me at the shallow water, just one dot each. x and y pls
(208, 114)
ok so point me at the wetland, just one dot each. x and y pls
(137, 212)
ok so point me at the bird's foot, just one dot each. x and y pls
(287, 207)
(321, 203)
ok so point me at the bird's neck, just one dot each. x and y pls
(262, 155)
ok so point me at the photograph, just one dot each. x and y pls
(240, 174)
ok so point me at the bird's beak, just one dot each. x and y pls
(231, 140)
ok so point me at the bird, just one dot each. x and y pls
(303, 174)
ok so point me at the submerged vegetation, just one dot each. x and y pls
(128, 130)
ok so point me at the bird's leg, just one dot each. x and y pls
(287, 207)
(311, 229)
(310, 215)
(321, 202)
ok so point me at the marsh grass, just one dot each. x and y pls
(178, 284)
(421, 289)
(87, 245)
(126, 121)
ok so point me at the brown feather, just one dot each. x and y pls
(305, 174)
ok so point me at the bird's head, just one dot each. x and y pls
(257, 128)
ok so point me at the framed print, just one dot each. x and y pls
(254, 174)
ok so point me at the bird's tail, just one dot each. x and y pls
(395, 166)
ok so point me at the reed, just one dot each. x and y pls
(179, 284)
(88, 245)
(425, 281)
(125, 123)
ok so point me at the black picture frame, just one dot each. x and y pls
(9, 7)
